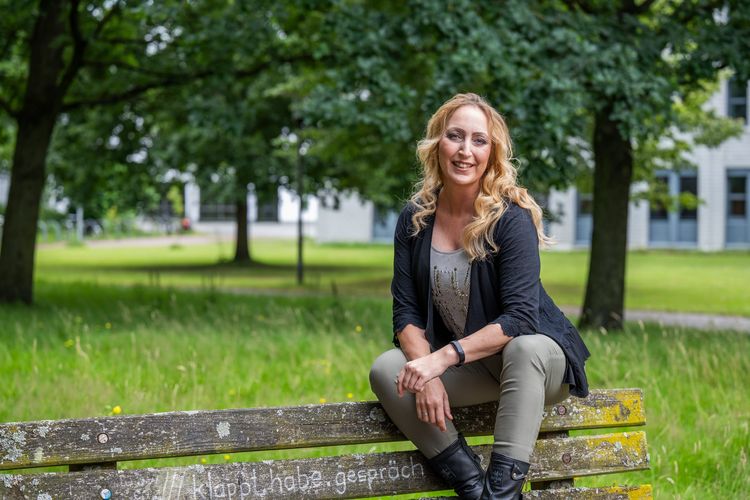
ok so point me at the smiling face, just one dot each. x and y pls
(464, 148)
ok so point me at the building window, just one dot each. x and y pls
(384, 224)
(689, 185)
(542, 199)
(738, 215)
(585, 204)
(658, 207)
(268, 207)
(217, 212)
(673, 221)
(584, 219)
(738, 196)
(737, 100)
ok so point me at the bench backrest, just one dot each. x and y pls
(104, 441)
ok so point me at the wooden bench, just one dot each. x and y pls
(92, 448)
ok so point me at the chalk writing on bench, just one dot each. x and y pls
(258, 480)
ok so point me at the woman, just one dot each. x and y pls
(472, 322)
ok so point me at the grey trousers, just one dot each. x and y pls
(523, 377)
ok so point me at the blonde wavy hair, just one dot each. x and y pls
(498, 185)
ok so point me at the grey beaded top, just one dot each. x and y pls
(450, 280)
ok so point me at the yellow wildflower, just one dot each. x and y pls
(227, 457)
(203, 460)
(322, 400)
(116, 410)
(358, 328)
(349, 395)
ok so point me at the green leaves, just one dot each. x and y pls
(362, 77)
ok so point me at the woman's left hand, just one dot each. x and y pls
(416, 373)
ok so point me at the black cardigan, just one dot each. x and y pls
(505, 289)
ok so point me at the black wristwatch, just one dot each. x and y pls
(460, 351)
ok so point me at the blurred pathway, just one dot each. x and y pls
(151, 241)
(689, 320)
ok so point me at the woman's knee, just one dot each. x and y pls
(539, 353)
(521, 347)
(522, 351)
(385, 369)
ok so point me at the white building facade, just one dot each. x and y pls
(277, 218)
(721, 182)
(349, 218)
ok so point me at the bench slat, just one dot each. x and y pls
(578, 456)
(642, 492)
(347, 476)
(173, 434)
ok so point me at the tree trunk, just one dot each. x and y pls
(36, 121)
(613, 172)
(242, 247)
(242, 240)
(22, 212)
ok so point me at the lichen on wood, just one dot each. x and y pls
(173, 434)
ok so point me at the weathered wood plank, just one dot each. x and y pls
(348, 476)
(555, 459)
(643, 492)
(601, 409)
(131, 437)
(560, 483)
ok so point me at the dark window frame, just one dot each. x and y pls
(737, 221)
(671, 231)
(688, 213)
(218, 212)
(660, 212)
(739, 173)
(584, 200)
(737, 103)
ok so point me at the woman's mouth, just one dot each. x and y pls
(462, 165)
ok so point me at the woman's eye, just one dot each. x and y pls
(454, 136)
(481, 141)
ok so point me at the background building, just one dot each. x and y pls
(348, 218)
(721, 182)
(275, 217)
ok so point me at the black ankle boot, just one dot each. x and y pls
(460, 468)
(504, 479)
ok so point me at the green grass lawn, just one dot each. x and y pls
(86, 348)
(659, 280)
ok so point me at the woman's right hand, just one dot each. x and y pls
(433, 406)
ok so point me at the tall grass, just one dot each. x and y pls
(158, 350)
(85, 349)
(697, 405)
